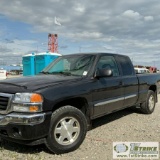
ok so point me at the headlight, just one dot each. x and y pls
(27, 102)
(28, 97)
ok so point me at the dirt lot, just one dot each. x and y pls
(126, 125)
(14, 76)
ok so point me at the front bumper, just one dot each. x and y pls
(24, 119)
(25, 127)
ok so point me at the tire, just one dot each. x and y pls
(67, 131)
(149, 105)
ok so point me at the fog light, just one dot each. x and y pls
(20, 108)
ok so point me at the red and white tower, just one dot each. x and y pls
(53, 43)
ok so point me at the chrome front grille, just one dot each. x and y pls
(5, 100)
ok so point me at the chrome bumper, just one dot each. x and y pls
(24, 119)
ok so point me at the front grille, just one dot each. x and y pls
(3, 102)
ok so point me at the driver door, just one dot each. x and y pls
(108, 93)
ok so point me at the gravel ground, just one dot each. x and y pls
(127, 125)
(14, 76)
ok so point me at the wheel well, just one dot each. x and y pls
(153, 88)
(80, 103)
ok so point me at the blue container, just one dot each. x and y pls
(44, 59)
(28, 65)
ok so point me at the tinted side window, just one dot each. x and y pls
(108, 62)
(127, 67)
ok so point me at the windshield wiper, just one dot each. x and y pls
(62, 72)
(44, 72)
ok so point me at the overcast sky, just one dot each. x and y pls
(118, 26)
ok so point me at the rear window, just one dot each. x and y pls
(126, 65)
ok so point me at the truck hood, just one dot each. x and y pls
(35, 82)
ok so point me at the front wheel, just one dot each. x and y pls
(149, 105)
(67, 130)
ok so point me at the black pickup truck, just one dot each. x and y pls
(57, 106)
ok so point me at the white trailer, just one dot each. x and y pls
(3, 74)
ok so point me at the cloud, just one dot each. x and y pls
(63, 46)
(148, 18)
(123, 26)
(132, 14)
(79, 7)
(5, 50)
(8, 40)
(86, 35)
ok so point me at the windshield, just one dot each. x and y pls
(76, 65)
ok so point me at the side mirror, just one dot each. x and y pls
(104, 73)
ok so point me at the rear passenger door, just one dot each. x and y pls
(129, 81)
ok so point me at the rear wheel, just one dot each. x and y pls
(149, 105)
(67, 130)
